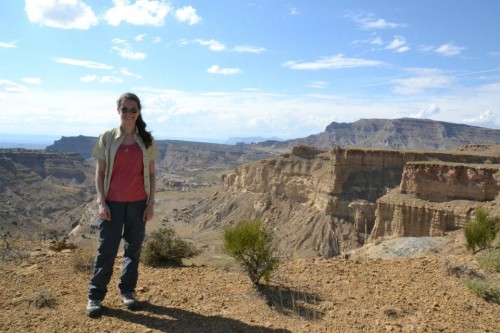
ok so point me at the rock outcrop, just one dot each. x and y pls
(324, 203)
(434, 198)
(439, 182)
(15, 163)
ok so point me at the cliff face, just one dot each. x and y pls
(434, 198)
(39, 190)
(325, 202)
(82, 145)
(440, 182)
(16, 163)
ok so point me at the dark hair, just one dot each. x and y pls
(140, 123)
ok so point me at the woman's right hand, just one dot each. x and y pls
(104, 212)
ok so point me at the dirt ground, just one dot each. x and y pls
(42, 293)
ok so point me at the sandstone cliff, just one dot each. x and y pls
(324, 202)
(434, 198)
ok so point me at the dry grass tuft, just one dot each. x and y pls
(42, 299)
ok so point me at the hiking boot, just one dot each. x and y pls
(130, 301)
(94, 308)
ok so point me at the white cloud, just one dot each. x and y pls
(212, 44)
(429, 111)
(126, 72)
(403, 49)
(187, 14)
(449, 49)
(426, 48)
(217, 46)
(323, 96)
(110, 79)
(11, 87)
(63, 14)
(139, 38)
(369, 22)
(334, 62)
(215, 69)
(124, 49)
(249, 49)
(83, 63)
(423, 80)
(89, 78)
(142, 12)
(377, 41)
(484, 118)
(101, 79)
(492, 87)
(398, 44)
(156, 40)
(318, 84)
(222, 114)
(32, 80)
(293, 11)
(8, 45)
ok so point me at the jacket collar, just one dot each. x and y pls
(119, 133)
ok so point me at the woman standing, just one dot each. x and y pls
(125, 184)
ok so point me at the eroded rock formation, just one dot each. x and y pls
(323, 203)
(41, 192)
(437, 197)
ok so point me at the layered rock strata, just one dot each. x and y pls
(40, 191)
(434, 198)
(317, 202)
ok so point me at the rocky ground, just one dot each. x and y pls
(412, 291)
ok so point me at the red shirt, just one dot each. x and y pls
(127, 178)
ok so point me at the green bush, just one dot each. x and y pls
(490, 260)
(481, 232)
(484, 289)
(163, 247)
(252, 247)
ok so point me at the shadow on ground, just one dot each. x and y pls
(292, 302)
(166, 319)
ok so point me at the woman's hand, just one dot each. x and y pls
(149, 212)
(104, 212)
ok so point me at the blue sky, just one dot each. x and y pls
(212, 70)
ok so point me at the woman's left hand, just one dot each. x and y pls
(149, 212)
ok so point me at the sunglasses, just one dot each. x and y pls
(125, 110)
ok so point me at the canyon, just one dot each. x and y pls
(319, 200)
(325, 203)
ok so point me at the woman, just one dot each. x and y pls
(125, 184)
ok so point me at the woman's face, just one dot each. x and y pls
(129, 112)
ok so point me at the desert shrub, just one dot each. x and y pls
(484, 289)
(163, 247)
(42, 299)
(82, 260)
(490, 260)
(252, 247)
(481, 232)
(13, 249)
